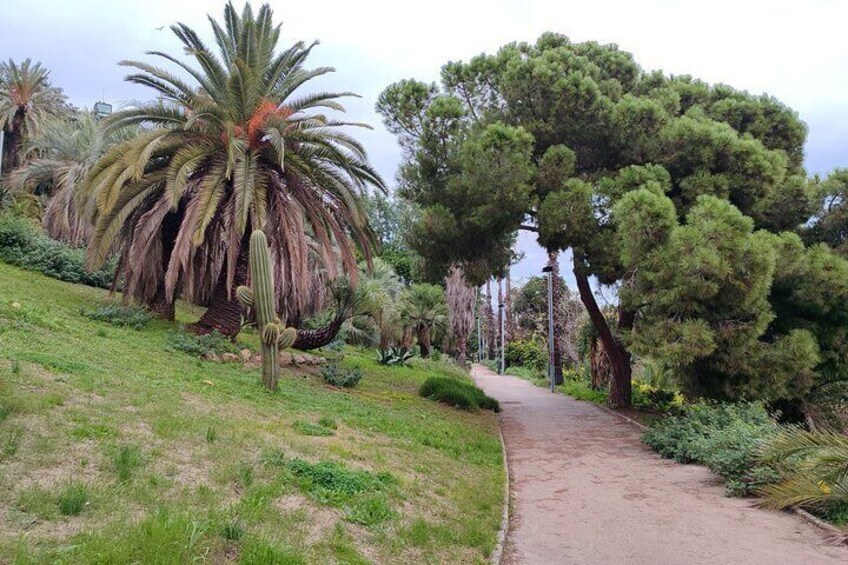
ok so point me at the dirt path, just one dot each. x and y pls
(585, 490)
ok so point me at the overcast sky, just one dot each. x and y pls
(794, 50)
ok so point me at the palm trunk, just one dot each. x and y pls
(406, 340)
(461, 353)
(160, 305)
(490, 320)
(556, 299)
(424, 342)
(14, 140)
(619, 358)
(313, 339)
(224, 312)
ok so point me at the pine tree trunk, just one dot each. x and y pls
(600, 365)
(490, 320)
(553, 262)
(620, 386)
(224, 312)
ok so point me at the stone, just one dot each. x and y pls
(229, 357)
(210, 356)
(285, 358)
(245, 355)
(299, 359)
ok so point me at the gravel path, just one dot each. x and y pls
(585, 490)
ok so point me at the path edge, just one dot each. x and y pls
(498, 552)
(500, 546)
(834, 534)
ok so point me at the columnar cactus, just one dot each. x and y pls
(273, 334)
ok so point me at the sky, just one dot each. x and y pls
(793, 50)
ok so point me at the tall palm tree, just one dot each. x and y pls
(26, 99)
(234, 149)
(58, 159)
(424, 311)
(380, 288)
(460, 301)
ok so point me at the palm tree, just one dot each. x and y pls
(423, 311)
(59, 156)
(26, 99)
(460, 300)
(380, 288)
(234, 149)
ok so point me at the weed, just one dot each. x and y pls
(244, 474)
(337, 375)
(310, 429)
(370, 510)
(233, 530)
(332, 483)
(328, 423)
(134, 317)
(73, 499)
(126, 459)
(211, 434)
(16, 367)
(101, 332)
(10, 442)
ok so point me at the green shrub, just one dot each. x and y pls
(72, 499)
(457, 393)
(332, 483)
(581, 390)
(134, 317)
(24, 245)
(199, 345)
(310, 429)
(337, 375)
(526, 353)
(725, 437)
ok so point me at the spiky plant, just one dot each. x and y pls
(460, 302)
(26, 99)
(59, 157)
(234, 148)
(423, 311)
(815, 469)
(260, 299)
(380, 289)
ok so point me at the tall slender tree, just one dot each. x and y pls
(237, 145)
(27, 98)
(491, 335)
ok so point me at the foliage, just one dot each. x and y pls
(457, 393)
(134, 317)
(199, 345)
(399, 356)
(73, 499)
(580, 389)
(526, 353)
(813, 470)
(654, 398)
(338, 375)
(424, 312)
(726, 437)
(25, 246)
(238, 144)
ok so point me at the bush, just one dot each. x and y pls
(725, 437)
(457, 393)
(526, 353)
(337, 375)
(134, 317)
(199, 345)
(656, 399)
(24, 245)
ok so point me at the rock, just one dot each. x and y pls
(316, 360)
(299, 359)
(210, 356)
(245, 355)
(285, 359)
(229, 357)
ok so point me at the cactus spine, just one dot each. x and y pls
(260, 298)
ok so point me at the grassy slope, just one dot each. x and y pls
(208, 453)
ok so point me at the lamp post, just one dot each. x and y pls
(549, 271)
(2, 139)
(501, 312)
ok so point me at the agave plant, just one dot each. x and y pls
(26, 99)
(59, 157)
(815, 469)
(234, 147)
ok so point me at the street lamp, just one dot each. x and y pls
(501, 313)
(549, 271)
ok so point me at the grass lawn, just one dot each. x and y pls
(115, 449)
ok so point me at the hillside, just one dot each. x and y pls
(116, 449)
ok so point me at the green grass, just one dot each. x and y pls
(184, 460)
(73, 499)
(575, 388)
